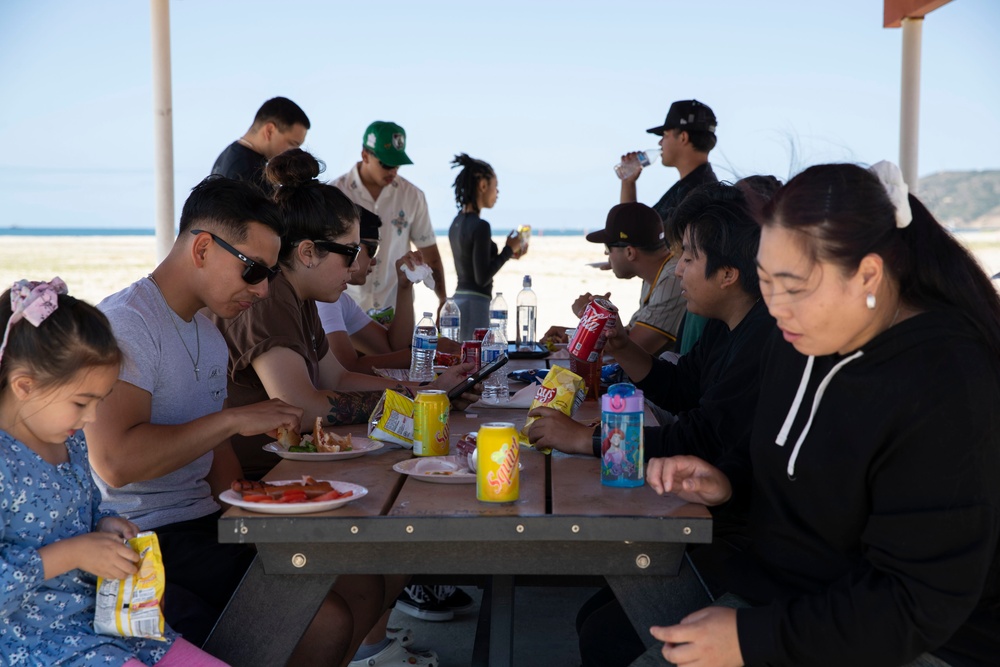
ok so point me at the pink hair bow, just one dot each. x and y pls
(32, 301)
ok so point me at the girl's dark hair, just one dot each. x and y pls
(844, 213)
(467, 181)
(724, 229)
(75, 336)
(312, 210)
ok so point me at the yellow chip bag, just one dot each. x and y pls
(130, 607)
(392, 419)
(561, 390)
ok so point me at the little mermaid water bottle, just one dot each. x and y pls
(621, 436)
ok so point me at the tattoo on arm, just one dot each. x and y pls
(354, 407)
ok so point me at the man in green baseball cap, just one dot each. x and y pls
(387, 142)
(374, 183)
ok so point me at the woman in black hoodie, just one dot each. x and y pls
(875, 451)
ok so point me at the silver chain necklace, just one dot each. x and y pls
(197, 337)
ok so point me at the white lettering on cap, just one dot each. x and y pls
(370, 140)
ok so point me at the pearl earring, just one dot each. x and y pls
(870, 301)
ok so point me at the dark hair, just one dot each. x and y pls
(467, 181)
(312, 210)
(74, 336)
(701, 140)
(229, 206)
(282, 112)
(722, 228)
(844, 213)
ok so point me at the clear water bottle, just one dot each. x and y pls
(527, 309)
(451, 320)
(622, 461)
(498, 314)
(425, 342)
(644, 158)
(495, 388)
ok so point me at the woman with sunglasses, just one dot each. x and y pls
(278, 348)
(875, 450)
(477, 259)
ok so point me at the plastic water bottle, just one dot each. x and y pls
(527, 309)
(425, 342)
(498, 314)
(644, 158)
(495, 388)
(451, 320)
(621, 436)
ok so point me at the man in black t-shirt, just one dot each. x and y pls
(280, 124)
(686, 138)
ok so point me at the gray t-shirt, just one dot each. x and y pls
(156, 361)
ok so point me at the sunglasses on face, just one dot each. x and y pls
(349, 251)
(371, 247)
(254, 272)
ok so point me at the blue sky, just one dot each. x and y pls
(551, 93)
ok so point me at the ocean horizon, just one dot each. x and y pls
(111, 231)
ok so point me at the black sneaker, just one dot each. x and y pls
(419, 602)
(453, 598)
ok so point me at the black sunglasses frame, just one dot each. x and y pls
(371, 247)
(255, 272)
(351, 252)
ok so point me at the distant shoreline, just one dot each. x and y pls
(67, 231)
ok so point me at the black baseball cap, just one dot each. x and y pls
(687, 115)
(633, 223)
(369, 224)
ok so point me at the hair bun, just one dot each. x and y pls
(292, 168)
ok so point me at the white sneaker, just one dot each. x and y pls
(395, 655)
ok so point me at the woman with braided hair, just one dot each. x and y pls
(477, 258)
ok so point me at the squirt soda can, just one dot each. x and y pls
(498, 479)
(431, 436)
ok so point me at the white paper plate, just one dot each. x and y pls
(361, 446)
(437, 469)
(236, 499)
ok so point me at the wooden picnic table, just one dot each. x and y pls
(565, 523)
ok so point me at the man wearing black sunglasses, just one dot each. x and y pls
(161, 450)
(350, 330)
(374, 183)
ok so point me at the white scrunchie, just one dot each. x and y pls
(892, 180)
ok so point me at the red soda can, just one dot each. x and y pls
(592, 331)
(472, 351)
(479, 334)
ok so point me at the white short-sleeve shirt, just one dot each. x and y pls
(402, 208)
(342, 315)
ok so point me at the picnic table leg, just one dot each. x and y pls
(267, 617)
(494, 646)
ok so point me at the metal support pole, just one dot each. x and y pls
(163, 127)
(909, 121)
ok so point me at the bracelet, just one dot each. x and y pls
(596, 439)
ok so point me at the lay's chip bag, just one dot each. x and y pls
(130, 607)
(561, 390)
(392, 419)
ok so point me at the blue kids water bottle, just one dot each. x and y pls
(621, 436)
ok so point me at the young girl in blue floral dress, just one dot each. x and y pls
(58, 359)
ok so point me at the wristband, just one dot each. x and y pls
(596, 439)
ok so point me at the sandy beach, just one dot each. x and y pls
(95, 266)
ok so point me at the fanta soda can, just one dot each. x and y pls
(497, 473)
